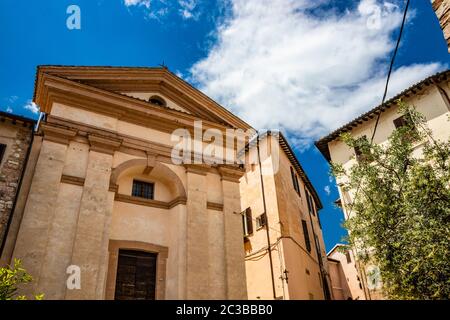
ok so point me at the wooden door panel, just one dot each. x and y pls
(136, 275)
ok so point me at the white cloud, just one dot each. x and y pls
(293, 65)
(9, 109)
(327, 190)
(12, 99)
(31, 106)
(187, 9)
(130, 3)
(157, 9)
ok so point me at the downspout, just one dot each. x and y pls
(267, 218)
(19, 185)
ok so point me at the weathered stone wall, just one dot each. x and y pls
(17, 139)
(442, 9)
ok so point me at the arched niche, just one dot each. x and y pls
(159, 172)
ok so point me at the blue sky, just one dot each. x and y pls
(306, 67)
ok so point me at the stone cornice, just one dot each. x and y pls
(108, 141)
(201, 169)
(126, 108)
(72, 180)
(126, 79)
(57, 133)
(149, 202)
(214, 206)
(104, 144)
(129, 144)
(230, 173)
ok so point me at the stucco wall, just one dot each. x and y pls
(80, 201)
(433, 103)
(341, 289)
(350, 273)
(285, 209)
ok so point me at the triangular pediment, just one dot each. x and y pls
(140, 84)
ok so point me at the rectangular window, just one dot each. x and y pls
(261, 221)
(310, 203)
(2, 151)
(295, 181)
(247, 222)
(306, 235)
(347, 255)
(405, 121)
(313, 206)
(400, 122)
(143, 189)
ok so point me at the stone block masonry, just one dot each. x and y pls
(442, 9)
(17, 143)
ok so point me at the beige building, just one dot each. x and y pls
(296, 266)
(345, 280)
(108, 213)
(431, 98)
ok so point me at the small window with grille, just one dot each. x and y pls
(143, 189)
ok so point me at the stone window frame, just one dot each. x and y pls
(161, 264)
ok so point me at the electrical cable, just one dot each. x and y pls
(383, 99)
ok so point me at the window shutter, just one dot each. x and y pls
(306, 235)
(261, 221)
(308, 201)
(294, 179)
(247, 221)
(298, 185)
(313, 206)
(348, 257)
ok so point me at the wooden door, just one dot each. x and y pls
(136, 275)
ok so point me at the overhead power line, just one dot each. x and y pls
(391, 65)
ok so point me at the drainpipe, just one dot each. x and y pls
(267, 218)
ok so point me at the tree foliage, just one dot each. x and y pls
(400, 213)
(10, 280)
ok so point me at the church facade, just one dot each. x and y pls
(110, 202)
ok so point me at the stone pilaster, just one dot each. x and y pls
(90, 247)
(197, 283)
(233, 235)
(31, 244)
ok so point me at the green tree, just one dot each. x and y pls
(11, 278)
(400, 213)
